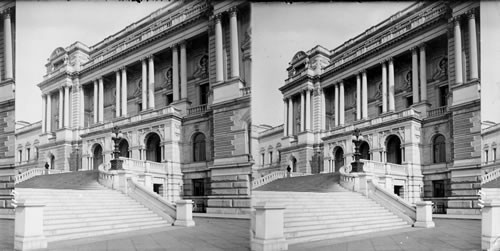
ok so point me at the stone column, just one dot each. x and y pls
(323, 110)
(117, 94)
(144, 86)
(61, 107)
(219, 73)
(101, 100)
(285, 117)
(66, 106)
(124, 91)
(95, 101)
(336, 111)
(183, 71)
(82, 106)
(8, 46)
(175, 72)
(358, 97)
(302, 112)
(151, 83)
(423, 74)
(341, 103)
(384, 87)
(49, 113)
(290, 116)
(391, 85)
(473, 47)
(414, 75)
(365, 95)
(458, 52)
(308, 110)
(44, 112)
(235, 59)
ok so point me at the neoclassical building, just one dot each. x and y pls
(411, 85)
(7, 106)
(177, 84)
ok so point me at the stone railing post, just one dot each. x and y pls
(29, 226)
(424, 214)
(269, 227)
(363, 182)
(184, 213)
(490, 229)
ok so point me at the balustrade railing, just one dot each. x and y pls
(197, 109)
(436, 112)
(28, 174)
(268, 178)
(495, 174)
(381, 168)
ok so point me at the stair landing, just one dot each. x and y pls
(320, 183)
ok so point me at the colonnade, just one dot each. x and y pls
(234, 46)
(473, 58)
(305, 113)
(64, 107)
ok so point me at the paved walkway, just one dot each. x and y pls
(208, 234)
(6, 234)
(447, 235)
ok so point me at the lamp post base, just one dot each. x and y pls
(116, 164)
(357, 167)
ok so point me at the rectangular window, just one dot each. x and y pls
(494, 155)
(198, 187)
(438, 188)
(262, 158)
(20, 156)
(203, 94)
(270, 157)
(486, 156)
(380, 109)
(28, 154)
(409, 101)
(170, 98)
(443, 95)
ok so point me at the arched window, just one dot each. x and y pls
(439, 149)
(199, 147)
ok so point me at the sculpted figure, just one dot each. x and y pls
(202, 69)
(442, 70)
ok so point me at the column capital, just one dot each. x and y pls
(456, 20)
(383, 61)
(182, 43)
(414, 49)
(422, 45)
(217, 17)
(233, 11)
(471, 14)
(362, 71)
(6, 13)
(150, 57)
(123, 68)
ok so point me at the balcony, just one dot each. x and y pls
(197, 109)
(436, 112)
(380, 168)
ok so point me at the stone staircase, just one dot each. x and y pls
(333, 212)
(77, 206)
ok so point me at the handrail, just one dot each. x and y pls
(28, 174)
(392, 202)
(268, 178)
(485, 178)
(151, 200)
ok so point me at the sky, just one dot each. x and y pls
(280, 30)
(41, 27)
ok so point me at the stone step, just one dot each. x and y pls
(51, 226)
(322, 204)
(326, 235)
(89, 216)
(83, 209)
(336, 216)
(96, 228)
(319, 225)
(72, 204)
(84, 234)
(335, 210)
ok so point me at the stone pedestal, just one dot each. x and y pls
(29, 226)
(184, 215)
(363, 182)
(269, 225)
(424, 214)
(490, 227)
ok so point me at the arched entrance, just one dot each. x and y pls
(123, 147)
(52, 162)
(339, 158)
(293, 164)
(98, 158)
(153, 149)
(364, 149)
(394, 150)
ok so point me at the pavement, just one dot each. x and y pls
(208, 234)
(6, 234)
(449, 234)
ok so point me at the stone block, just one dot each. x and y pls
(242, 203)
(224, 191)
(245, 191)
(459, 204)
(463, 211)
(220, 203)
(240, 184)
(224, 178)
(461, 186)
(222, 185)
(5, 178)
(5, 191)
(464, 179)
(464, 192)
(244, 177)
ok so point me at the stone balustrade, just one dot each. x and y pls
(268, 178)
(381, 168)
(436, 112)
(495, 174)
(28, 174)
(197, 109)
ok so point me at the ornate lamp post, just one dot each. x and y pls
(116, 136)
(357, 166)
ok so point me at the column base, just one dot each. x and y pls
(269, 245)
(184, 223)
(30, 243)
(424, 224)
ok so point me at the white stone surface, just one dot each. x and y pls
(29, 226)
(184, 213)
(490, 229)
(269, 226)
(424, 214)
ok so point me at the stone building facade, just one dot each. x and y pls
(7, 106)
(411, 85)
(177, 84)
